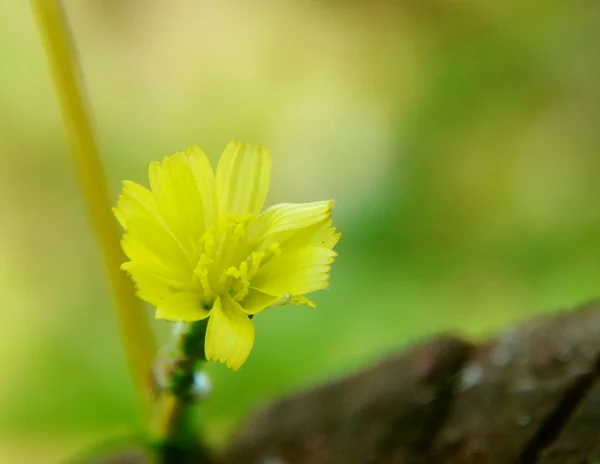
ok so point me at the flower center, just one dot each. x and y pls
(227, 261)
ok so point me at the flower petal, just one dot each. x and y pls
(182, 307)
(178, 196)
(135, 201)
(301, 300)
(150, 287)
(166, 261)
(328, 236)
(230, 333)
(256, 301)
(148, 239)
(242, 179)
(298, 271)
(321, 234)
(205, 180)
(286, 217)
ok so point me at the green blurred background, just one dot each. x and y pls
(460, 140)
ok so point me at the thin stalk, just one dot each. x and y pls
(136, 336)
(174, 437)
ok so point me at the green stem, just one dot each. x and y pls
(136, 336)
(173, 436)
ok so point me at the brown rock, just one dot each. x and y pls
(579, 441)
(527, 395)
(517, 391)
(388, 413)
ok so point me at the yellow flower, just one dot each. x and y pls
(199, 246)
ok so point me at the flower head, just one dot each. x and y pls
(200, 247)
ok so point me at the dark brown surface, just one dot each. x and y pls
(531, 394)
(518, 391)
(390, 411)
(579, 441)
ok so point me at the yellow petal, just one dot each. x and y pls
(256, 301)
(151, 250)
(178, 196)
(290, 216)
(328, 237)
(299, 271)
(205, 180)
(242, 179)
(182, 307)
(135, 201)
(148, 239)
(301, 300)
(150, 287)
(321, 234)
(230, 333)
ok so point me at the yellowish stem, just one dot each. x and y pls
(135, 331)
(166, 416)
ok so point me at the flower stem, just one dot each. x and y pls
(135, 331)
(173, 437)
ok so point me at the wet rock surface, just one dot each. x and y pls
(520, 389)
(390, 411)
(531, 394)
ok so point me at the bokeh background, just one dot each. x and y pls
(460, 140)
